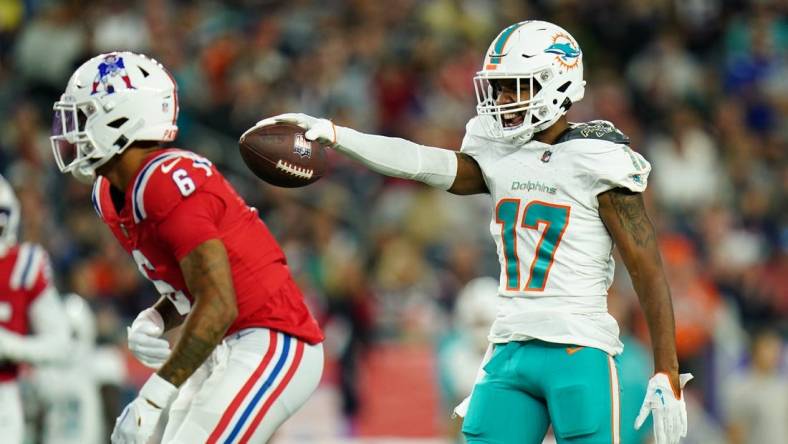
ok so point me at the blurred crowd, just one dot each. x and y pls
(701, 88)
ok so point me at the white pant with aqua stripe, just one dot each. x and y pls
(253, 381)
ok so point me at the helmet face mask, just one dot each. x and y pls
(545, 64)
(516, 118)
(71, 144)
(110, 102)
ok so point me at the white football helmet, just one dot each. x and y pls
(9, 215)
(545, 63)
(111, 101)
(81, 320)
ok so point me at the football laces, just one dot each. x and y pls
(295, 170)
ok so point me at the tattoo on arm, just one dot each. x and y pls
(206, 271)
(632, 216)
(625, 217)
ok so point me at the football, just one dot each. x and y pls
(280, 155)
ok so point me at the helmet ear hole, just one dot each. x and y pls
(117, 123)
(564, 87)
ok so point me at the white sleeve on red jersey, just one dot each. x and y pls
(49, 338)
(99, 197)
(32, 272)
(166, 180)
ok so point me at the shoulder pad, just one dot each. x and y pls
(595, 129)
(166, 180)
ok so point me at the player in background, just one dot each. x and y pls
(564, 194)
(459, 357)
(33, 328)
(73, 393)
(249, 352)
(461, 352)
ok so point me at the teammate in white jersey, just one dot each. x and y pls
(564, 194)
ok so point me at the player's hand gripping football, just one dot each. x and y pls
(145, 339)
(138, 421)
(669, 411)
(322, 131)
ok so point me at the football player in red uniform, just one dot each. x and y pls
(249, 352)
(33, 327)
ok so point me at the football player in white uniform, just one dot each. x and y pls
(564, 193)
(33, 328)
(71, 391)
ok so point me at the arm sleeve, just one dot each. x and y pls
(192, 222)
(49, 341)
(402, 158)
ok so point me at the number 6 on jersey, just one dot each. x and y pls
(555, 219)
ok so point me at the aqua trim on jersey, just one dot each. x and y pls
(506, 214)
(556, 219)
(138, 191)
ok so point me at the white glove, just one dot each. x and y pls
(669, 412)
(138, 421)
(145, 339)
(321, 130)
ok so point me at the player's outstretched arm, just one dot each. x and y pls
(206, 270)
(624, 215)
(438, 167)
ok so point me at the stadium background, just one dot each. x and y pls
(700, 86)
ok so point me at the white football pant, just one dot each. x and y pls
(11, 420)
(251, 383)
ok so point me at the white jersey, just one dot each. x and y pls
(554, 250)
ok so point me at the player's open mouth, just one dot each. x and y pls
(511, 120)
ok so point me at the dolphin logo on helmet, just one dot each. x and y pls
(565, 50)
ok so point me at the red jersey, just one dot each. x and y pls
(24, 275)
(178, 200)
